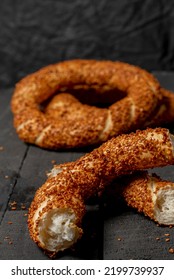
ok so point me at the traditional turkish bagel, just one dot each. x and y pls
(66, 123)
(148, 194)
(155, 195)
(56, 213)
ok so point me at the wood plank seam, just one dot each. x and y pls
(15, 182)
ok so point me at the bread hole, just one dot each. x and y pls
(101, 99)
(90, 96)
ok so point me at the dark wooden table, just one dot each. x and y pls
(111, 230)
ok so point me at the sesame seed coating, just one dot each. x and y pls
(141, 189)
(77, 181)
(67, 123)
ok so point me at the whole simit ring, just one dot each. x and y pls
(45, 114)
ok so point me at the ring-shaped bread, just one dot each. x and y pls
(57, 210)
(65, 122)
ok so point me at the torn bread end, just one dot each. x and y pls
(164, 205)
(57, 230)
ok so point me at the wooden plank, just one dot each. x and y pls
(12, 151)
(22, 171)
(132, 236)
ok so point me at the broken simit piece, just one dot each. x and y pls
(56, 213)
(148, 194)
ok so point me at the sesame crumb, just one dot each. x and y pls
(6, 237)
(13, 203)
(171, 250)
(119, 238)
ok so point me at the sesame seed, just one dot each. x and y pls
(171, 250)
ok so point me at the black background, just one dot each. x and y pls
(34, 33)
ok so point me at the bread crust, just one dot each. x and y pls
(67, 123)
(148, 194)
(73, 183)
